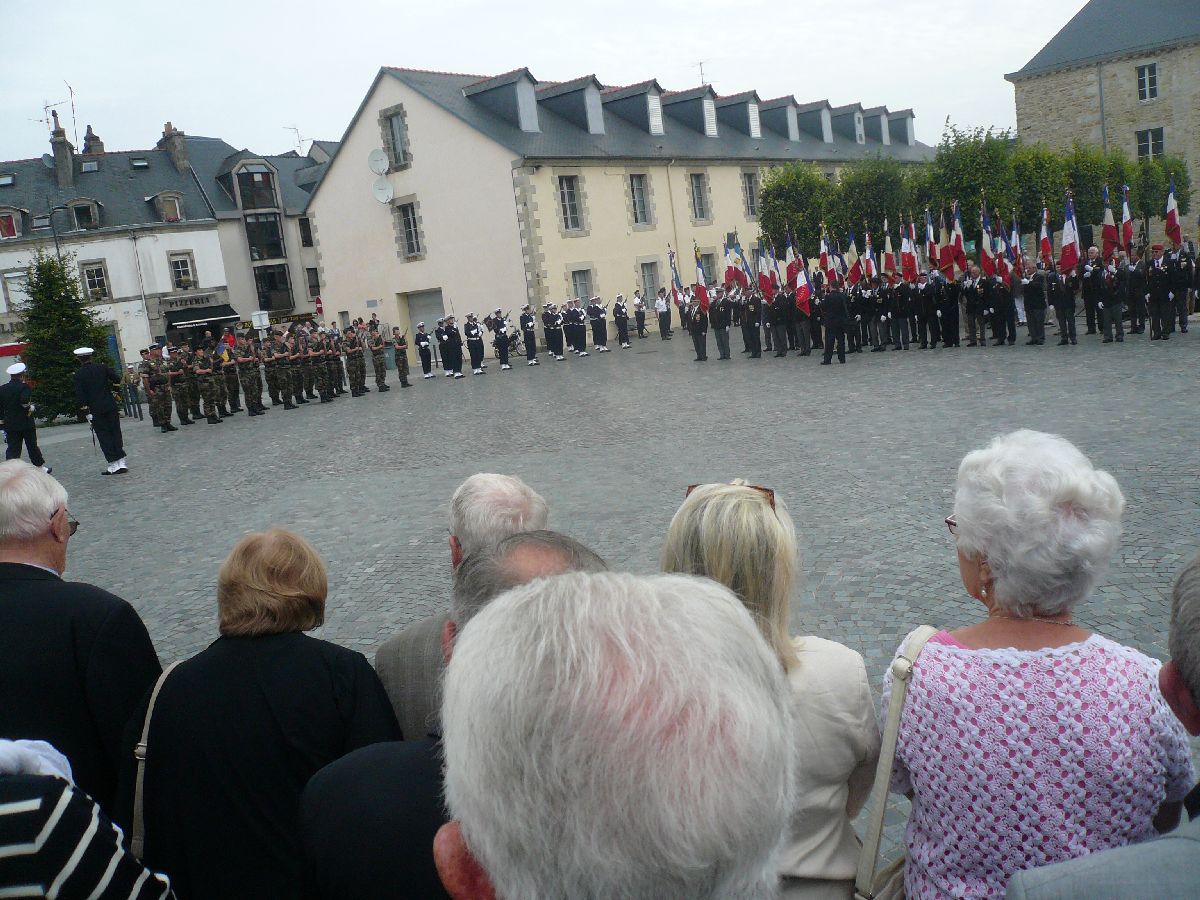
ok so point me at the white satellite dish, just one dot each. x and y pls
(377, 162)
(382, 189)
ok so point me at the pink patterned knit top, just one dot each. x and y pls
(1021, 758)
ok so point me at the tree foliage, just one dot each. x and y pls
(969, 165)
(56, 320)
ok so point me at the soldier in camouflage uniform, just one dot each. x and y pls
(202, 366)
(333, 362)
(379, 359)
(353, 348)
(217, 358)
(143, 372)
(270, 357)
(308, 364)
(158, 388)
(400, 350)
(193, 383)
(316, 352)
(292, 344)
(246, 357)
(230, 373)
(177, 369)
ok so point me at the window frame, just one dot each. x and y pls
(312, 275)
(1150, 140)
(399, 136)
(587, 293)
(699, 202)
(85, 282)
(640, 178)
(7, 212)
(185, 256)
(650, 289)
(569, 207)
(8, 303)
(410, 224)
(750, 197)
(1147, 82)
(255, 170)
(8, 179)
(708, 262)
(306, 235)
(92, 211)
(287, 277)
(256, 219)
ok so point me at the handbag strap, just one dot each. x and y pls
(902, 667)
(137, 834)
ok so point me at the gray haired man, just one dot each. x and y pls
(484, 509)
(613, 736)
(1168, 866)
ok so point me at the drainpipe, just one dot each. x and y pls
(671, 200)
(1103, 123)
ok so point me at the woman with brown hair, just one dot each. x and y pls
(237, 730)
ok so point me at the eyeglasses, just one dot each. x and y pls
(765, 491)
(71, 520)
(952, 524)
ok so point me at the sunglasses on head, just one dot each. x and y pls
(765, 491)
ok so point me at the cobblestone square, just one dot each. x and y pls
(864, 455)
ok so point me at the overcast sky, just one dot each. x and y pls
(243, 70)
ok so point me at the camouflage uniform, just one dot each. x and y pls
(271, 364)
(247, 367)
(193, 385)
(295, 360)
(177, 370)
(230, 374)
(308, 366)
(202, 366)
(379, 360)
(336, 373)
(400, 349)
(218, 379)
(158, 393)
(350, 343)
(144, 370)
(316, 351)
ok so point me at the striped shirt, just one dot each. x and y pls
(55, 842)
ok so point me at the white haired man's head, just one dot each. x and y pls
(607, 735)
(1038, 519)
(1179, 677)
(487, 508)
(34, 522)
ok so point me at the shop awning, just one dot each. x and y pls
(200, 315)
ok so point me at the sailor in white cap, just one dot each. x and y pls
(424, 341)
(94, 386)
(16, 408)
(529, 334)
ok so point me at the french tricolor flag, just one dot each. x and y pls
(931, 243)
(1108, 228)
(987, 256)
(959, 243)
(1172, 225)
(804, 287)
(1126, 222)
(701, 285)
(908, 252)
(854, 270)
(1068, 257)
(1046, 238)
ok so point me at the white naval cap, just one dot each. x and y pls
(84, 351)
(16, 369)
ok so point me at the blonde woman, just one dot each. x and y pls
(239, 729)
(741, 536)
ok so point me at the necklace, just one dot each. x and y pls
(1031, 619)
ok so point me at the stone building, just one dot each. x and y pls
(1118, 75)
(168, 242)
(460, 193)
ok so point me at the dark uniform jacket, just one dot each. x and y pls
(698, 321)
(14, 406)
(835, 309)
(720, 314)
(1158, 279)
(94, 383)
(1095, 287)
(423, 340)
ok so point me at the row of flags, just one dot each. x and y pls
(999, 251)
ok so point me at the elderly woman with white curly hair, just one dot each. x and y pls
(1026, 739)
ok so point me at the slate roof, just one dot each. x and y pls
(1107, 28)
(119, 189)
(213, 157)
(560, 139)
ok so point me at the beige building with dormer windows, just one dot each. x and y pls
(460, 193)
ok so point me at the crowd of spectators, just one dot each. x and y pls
(567, 731)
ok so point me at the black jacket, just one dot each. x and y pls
(835, 309)
(720, 314)
(94, 384)
(75, 661)
(238, 731)
(369, 820)
(14, 406)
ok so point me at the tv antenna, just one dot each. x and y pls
(74, 126)
(47, 106)
(700, 65)
(299, 140)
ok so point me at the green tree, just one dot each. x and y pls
(1175, 165)
(56, 320)
(869, 191)
(794, 196)
(1148, 190)
(920, 191)
(1039, 180)
(970, 164)
(1087, 173)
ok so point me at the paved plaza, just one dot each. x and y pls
(864, 455)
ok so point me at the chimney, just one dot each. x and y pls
(64, 154)
(92, 145)
(172, 141)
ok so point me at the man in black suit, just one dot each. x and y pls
(75, 661)
(16, 411)
(94, 385)
(835, 311)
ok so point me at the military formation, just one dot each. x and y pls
(303, 363)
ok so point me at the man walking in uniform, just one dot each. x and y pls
(400, 352)
(452, 348)
(379, 359)
(720, 316)
(639, 313)
(598, 316)
(529, 335)
(497, 324)
(16, 410)
(621, 318)
(1158, 293)
(663, 310)
(835, 310)
(473, 332)
(94, 384)
(697, 324)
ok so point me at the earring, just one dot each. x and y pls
(983, 592)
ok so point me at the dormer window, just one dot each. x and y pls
(41, 222)
(85, 216)
(169, 206)
(710, 117)
(654, 111)
(89, 165)
(755, 124)
(10, 223)
(256, 184)
(7, 179)
(139, 162)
